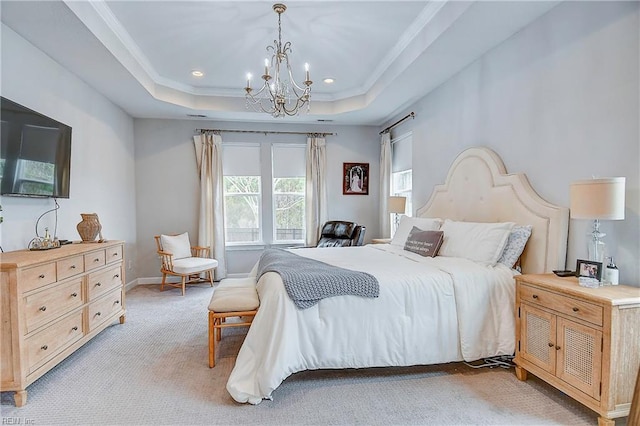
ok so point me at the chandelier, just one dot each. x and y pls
(280, 95)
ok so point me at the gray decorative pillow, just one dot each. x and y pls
(515, 245)
(424, 243)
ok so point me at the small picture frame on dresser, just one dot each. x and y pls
(589, 269)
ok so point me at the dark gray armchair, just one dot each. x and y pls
(339, 233)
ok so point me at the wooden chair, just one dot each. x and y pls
(179, 258)
(234, 297)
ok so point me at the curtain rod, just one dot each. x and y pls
(266, 132)
(411, 114)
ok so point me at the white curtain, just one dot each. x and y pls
(316, 189)
(385, 184)
(211, 218)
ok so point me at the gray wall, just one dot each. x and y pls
(102, 175)
(167, 181)
(557, 101)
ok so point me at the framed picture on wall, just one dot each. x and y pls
(355, 180)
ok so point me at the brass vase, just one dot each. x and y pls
(89, 228)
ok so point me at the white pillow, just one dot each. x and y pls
(480, 242)
(178, 245)
(406, 225)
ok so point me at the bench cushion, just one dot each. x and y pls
(234, 299)
(193, 265)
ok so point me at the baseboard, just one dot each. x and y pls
(158, 280)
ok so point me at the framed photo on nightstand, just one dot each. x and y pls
(588, 268)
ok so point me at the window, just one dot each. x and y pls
(242, 194)
(401, 172)
(289, 171)
(264, 193)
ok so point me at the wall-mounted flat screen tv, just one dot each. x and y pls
(35, 155)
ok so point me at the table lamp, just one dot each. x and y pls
(397, 206)
(597, 199)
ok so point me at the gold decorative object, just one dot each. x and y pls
(89, 228)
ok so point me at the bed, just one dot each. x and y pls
(428, 311)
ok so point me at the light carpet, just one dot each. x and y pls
(154, 370)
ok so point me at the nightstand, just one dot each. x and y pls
(583, 341)
(380, 240)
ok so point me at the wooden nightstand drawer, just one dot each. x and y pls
(46, 344)
(561, 303)
(94, 260)
(39, 276)
(70, 267)
(45, 306)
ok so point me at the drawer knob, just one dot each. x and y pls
(535, 296)
(44, 348)
(117, 302)
(97, 259)
(575, 309)
(43, 308)
(74, 294)
(557, 348)
(115, 254)
(550, 344)
(98, 314)
(116, 276)
(98, 284)
(74, 328)
(73, 266)
(41, 276)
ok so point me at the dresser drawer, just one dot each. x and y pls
(49, 342)
(39, 276)
(102, 282)
(101, 310)
(46, 306)
(94, 260)
(69, 267)
(562, 304)
(113, 254)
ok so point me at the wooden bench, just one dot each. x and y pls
(234, 297)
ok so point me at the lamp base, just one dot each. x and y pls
(596, 246)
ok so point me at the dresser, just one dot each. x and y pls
(52, 303)
(583, 341)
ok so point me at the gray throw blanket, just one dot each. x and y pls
(307, 280)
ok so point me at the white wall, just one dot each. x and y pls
(102, 175)
(558, 101)
(167, 180)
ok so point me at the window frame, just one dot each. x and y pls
(267, 213)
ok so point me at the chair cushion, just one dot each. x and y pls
(193, 265)
(234, 299)
(178, 245)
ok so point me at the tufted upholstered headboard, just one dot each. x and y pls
(478, 189)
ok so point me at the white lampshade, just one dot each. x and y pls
(601, 198)
(397, 204)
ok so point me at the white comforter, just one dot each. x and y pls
(430, 311)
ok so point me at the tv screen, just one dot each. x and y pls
(35, 155)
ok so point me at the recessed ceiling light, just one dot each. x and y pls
(197, 73)
(328, 80)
